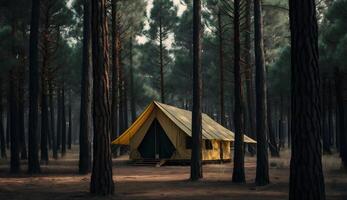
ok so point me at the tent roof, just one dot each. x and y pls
(211, 130)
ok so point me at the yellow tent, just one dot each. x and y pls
(164, 132)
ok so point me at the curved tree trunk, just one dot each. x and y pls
(101, 179)
(306, 175)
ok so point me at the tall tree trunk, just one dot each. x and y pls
(221, 68)
(69, 138)
(249, 78)
(44, 115)
(63, 122)
(326, 133)
(132, 87)
(13, 97)
(2, 129)
(86, 94)
(281, 123)
(59, 117)
(196, 157)
(330, 113)
(340, 107)
(274, 150)
(115, 70)
(262, 172)
(121, 89)
(52, 113)
(239, 162)
(306, 175)
(21, 112)
(101, 179)
(8, 121)
(33, 157)
(161, 57)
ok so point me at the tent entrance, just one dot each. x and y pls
(156, 144)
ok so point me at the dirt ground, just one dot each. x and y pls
(59, 181)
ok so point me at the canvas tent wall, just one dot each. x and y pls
(175, 123)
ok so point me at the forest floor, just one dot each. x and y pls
(59, 181)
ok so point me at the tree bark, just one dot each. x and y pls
(86, 93)
(59, 116)
(239, 168)
(21, 111)
(69, 138)
(63, 122)
(101, 178)
(115, 70)
(2, 130)
(33, 156)
(262, 172)
(306, 176)
(274, 150)
(196, 157)
(8, 121)
(52, 113)
(221, 68)
(14, 135)
(249, 78)
(44, 115)
(161, 54)
(326, 131)
(132, 87)
(340, 107)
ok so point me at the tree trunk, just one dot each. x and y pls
(59, 117)
(8, 121)
(196, 157)
(44, 115)
(340, 107)
(2, 130)
(63, 123)
(221, 68)
(69, 138)
(239, 168)
(101, 179)
(281, 124)
(115, 70)
(13, 97)
(52, 113)
(161, 52)
(21, 112)
(306, 176)
(330, 114)
(262, 173)
(86, 94)
(274, 150)
(33, 157)
(132, 87)
(326, 133)
(249, 78)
